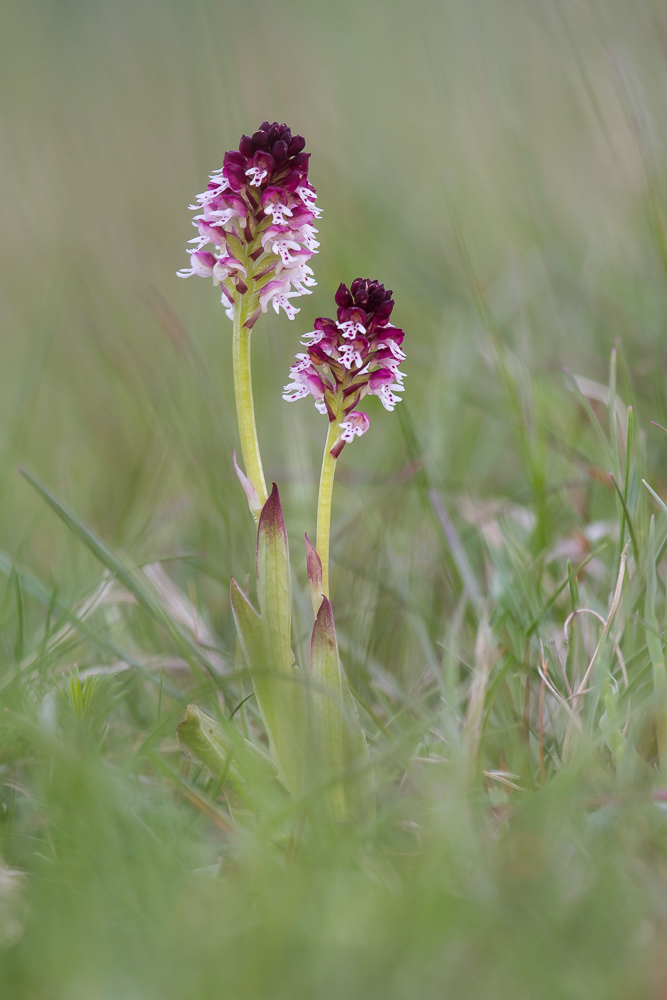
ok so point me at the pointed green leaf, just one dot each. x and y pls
(337, 730)
(279, 692)
(327, 704)
(273, 581)
(251, 636)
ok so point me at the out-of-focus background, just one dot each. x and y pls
(500, 164)
(527, 137)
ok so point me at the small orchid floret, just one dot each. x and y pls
(307, 195)
(355, 425)
(208, 233)
(304, 383)
(350, 329)
(300, 276)
(349, 357)
(226, 266)
(276, 292)
(282, 301)
(202, 263)
(275, 202)
(257, 207)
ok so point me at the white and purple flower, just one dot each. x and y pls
(356, 354)
(258, 212)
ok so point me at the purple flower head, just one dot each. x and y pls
(258, 212)
(356, 354)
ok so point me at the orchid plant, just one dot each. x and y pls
(258, 213)
(346, 358)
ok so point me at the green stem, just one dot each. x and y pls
(245, 411)
(324, 503)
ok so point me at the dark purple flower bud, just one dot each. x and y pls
(383, 312)
(293, 180)
(232, 156)
(300, 162)
(376, 296)
(260, 140)
(235, 175)
(327, 326)
(279, 150)
(360, 293)
(297, 144)
(246, 146)
(343, 298)
(275, 132)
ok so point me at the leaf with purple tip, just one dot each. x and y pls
(267, 648)
(336, 728)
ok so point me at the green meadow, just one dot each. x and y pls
(498, 545)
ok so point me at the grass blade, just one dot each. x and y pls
(127, 573)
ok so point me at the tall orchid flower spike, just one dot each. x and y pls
(356, 354)
(257, 214)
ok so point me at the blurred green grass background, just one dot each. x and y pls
(500, 165)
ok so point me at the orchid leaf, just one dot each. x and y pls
(327, 703)
(336, 727)
(273, 581)
(278, 692)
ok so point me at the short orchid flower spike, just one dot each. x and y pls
(345, 359)
(356, 354)
(257, 213)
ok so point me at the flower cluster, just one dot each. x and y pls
(258, 213)
(346, 358)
